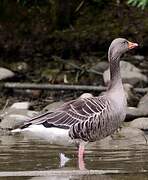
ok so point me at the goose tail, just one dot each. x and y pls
(18, 130)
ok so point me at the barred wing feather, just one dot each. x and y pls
(70, 113)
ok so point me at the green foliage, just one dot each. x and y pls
(139, 3)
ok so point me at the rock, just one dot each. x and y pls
(132, 99)
(20, 105)
(86, 95)
(144, 65)
(127, 133)
(101, 66)
(140, 111)
(133, 112)
(51, 107)
(140, 123)
(123, 138)
(138, 57)
(13, 118)
(21, 67)
(143, 104)
(103, 143)
(129, 73)
(4, 132)
(16, 106)
(5, 73)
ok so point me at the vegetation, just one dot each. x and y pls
(139, 3)
(36, 31)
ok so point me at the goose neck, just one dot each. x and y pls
(115, 75)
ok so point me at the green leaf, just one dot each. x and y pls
(139, 3)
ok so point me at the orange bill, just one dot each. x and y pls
(132, 45)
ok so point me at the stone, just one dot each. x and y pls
(21, 105)
(14, 117)
(130, 74)
(51, 107)
(86, 95)
(101, 66)
(6, 73)
(21, 67)
(140, 111)
(138, 57)
(132, 113)
(143, 104)
(16, 106)
(103, 143)
(144, 65)
(132, 99)
(140, 123)
(4, 132)
(127, 133)
(121, 139)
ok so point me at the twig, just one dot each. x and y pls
(53, 86)
(6, 104)
(61, 87)
(79, 6)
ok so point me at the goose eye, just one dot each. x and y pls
(124, 42)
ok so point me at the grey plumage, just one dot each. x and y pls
(100, 123)
(92, 118)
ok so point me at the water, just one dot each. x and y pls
(21, 158)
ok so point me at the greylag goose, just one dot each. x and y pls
(91, 118)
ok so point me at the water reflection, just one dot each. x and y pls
(96, 177)
(18, 153)
(90, 177)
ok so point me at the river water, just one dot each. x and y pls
(25, 159)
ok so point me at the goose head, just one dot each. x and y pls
(118, 47)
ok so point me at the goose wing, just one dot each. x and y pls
(70, 113)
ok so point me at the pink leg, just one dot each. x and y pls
(80, 156)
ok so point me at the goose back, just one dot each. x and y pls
(102, 124)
